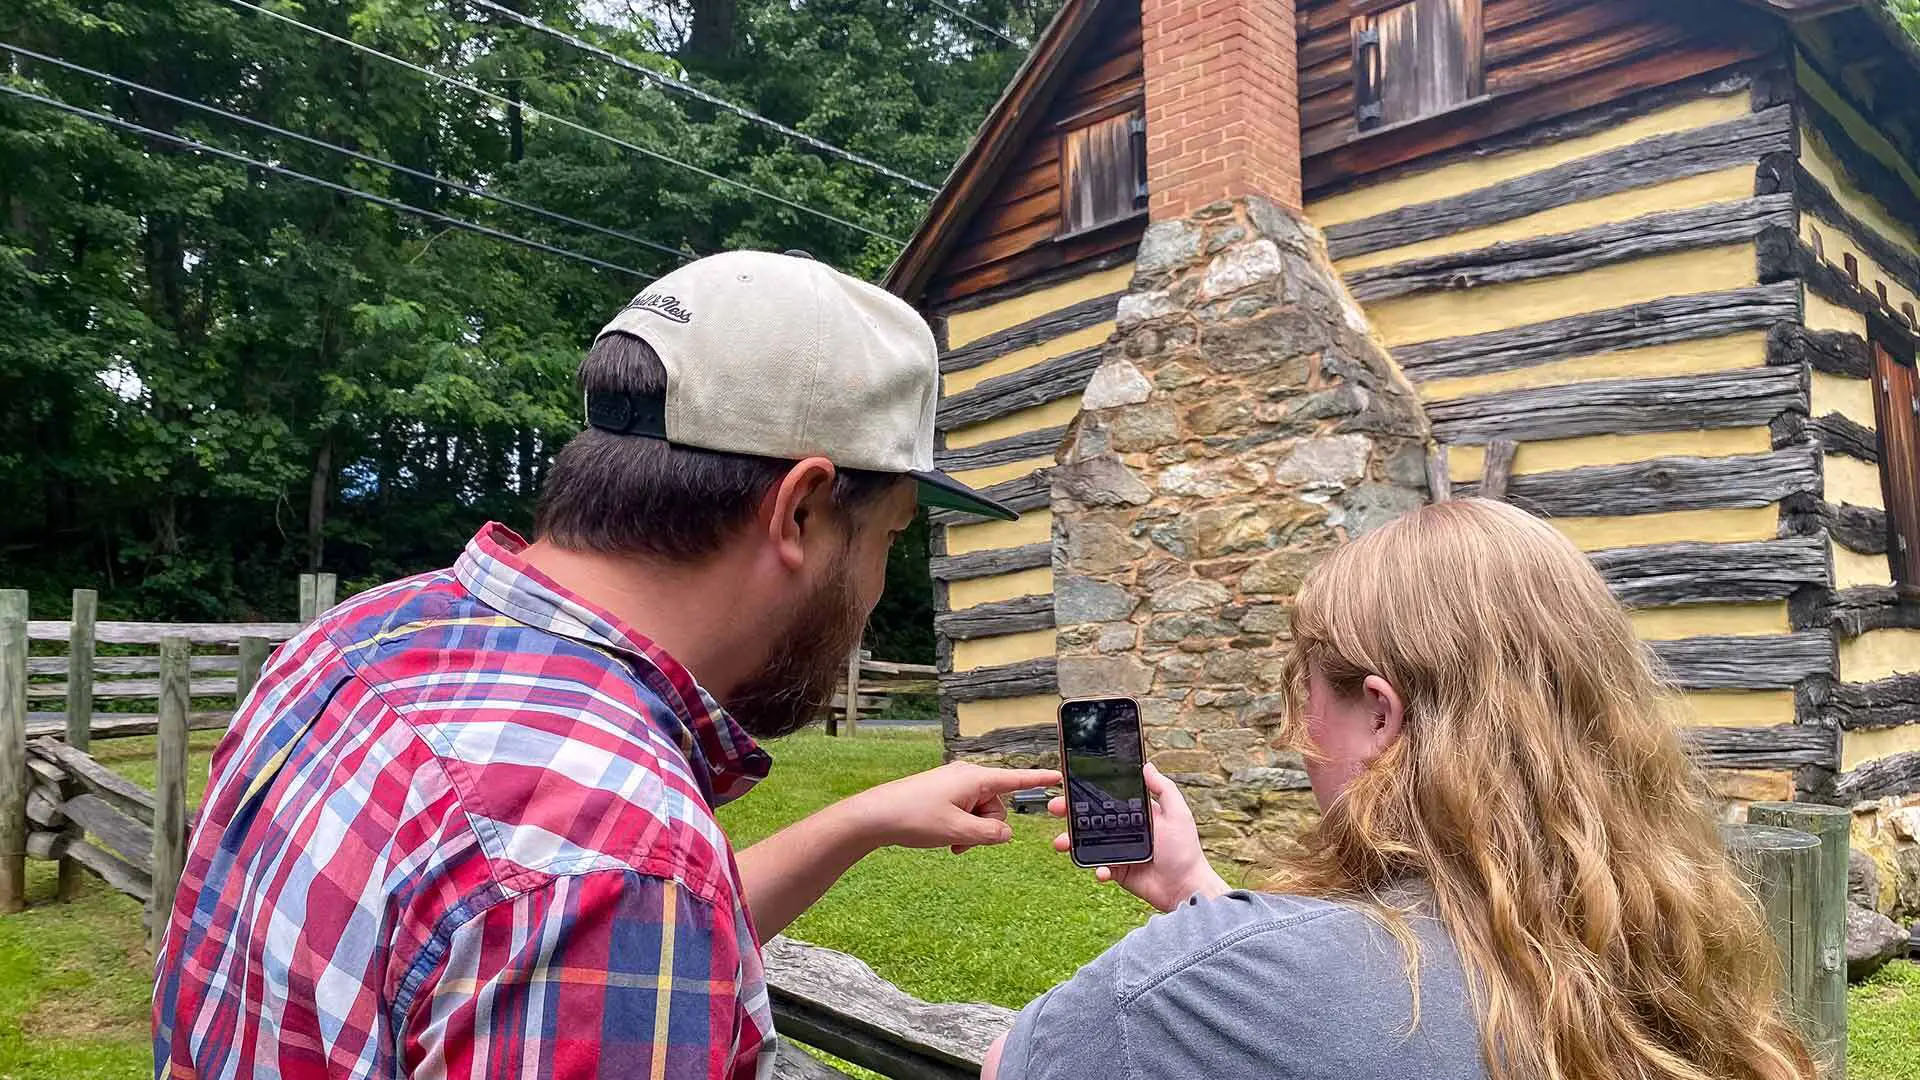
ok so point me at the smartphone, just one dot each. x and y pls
(1109, 817)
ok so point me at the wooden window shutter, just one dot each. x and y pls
(1896, 406)
(1412, 58)
(1103, 172)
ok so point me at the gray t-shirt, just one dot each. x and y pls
(1254, 985)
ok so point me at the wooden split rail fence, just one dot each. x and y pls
(875, 683)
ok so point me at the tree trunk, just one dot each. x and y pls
(317, 502)
(711, 42)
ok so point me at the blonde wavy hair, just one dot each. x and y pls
(1540, 788)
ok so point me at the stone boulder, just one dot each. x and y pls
(1863, 879)
(1872, 940)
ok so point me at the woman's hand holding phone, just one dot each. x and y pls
(1179, 867)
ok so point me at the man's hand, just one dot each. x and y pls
(1179, 868)
(956, 805)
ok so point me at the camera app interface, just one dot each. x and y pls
(1106, 795)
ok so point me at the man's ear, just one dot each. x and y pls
(1388, 714)
(795, 509)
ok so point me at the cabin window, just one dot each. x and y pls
(1414, 58)
(1103, 172)
(1896, 401)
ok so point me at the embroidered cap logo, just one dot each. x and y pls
(663, 305)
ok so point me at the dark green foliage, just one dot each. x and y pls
(212, 378)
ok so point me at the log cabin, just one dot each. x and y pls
(1222, 282)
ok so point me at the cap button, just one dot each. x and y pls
(797, 253)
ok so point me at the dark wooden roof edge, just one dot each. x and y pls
(1803, 10)
(1006, 127)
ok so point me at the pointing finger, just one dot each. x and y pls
(1007, 781)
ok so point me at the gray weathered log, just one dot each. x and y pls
(80, 668)
(121, 834)
(1656, 322)
(122, 725)
(170, 776)
(1496, 469)
(1041, 328)
(1564, 253)
(1782, 868)
(123, 794)
(792, 1063)
(1034, 739)
(1826, 1022)
(1647, 161)
(1834, 352)
(309, 593)
(253, 657)
(1022, 493)
(1878, 181)
(122, 875)
(1001, 681)
(15, 778)
(1050, 380)
(1670, 483)
(1833, 433)
(1895, 774)
(1027, 444)
(1000, 617)
(1659, 575)
(43, 807)
(134, 689)
(1883, 703)
(1782, 746)
(976, 564)
(48, 844)
(121, 666)
(1739, 662)
(141, 633)
(1620, 406)
(835, 1002)
(1852, 612)
(1861, 529)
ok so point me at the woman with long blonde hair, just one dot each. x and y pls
(1516, 874)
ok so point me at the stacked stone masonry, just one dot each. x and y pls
(1242, 423)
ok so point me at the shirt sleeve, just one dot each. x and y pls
(604, 974)
(1071, 1032)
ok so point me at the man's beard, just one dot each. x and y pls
(797, 679)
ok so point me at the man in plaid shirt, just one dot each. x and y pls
(464, 827)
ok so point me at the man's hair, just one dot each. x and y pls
(635, 495)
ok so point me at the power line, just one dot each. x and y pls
(563, 121)
(683, 87)
(391, 204)
(354, 154)
(994, 30)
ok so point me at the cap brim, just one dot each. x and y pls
(939, 489)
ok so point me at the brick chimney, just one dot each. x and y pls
(1223, 103)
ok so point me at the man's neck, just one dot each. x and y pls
(693, 612)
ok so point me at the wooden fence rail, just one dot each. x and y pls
(874, 683)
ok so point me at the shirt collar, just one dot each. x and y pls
(493, 568)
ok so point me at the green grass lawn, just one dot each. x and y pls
(999, 924)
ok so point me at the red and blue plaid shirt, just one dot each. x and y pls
(464, 828)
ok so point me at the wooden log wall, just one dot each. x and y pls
(1595, 293)
(1855, 251)
(1013, 369)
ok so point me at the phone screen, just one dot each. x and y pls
(1109, 817)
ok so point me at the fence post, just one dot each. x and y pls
(1833, 827)
(86, 608)
(14, 779)
(170, 785)
(326, 588)
(1780, 866)
(253, 657)
(853, 688)
(309, 596)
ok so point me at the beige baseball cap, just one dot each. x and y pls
(785, 357)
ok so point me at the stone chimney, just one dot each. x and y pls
(1223, 104)
(1244, 420)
